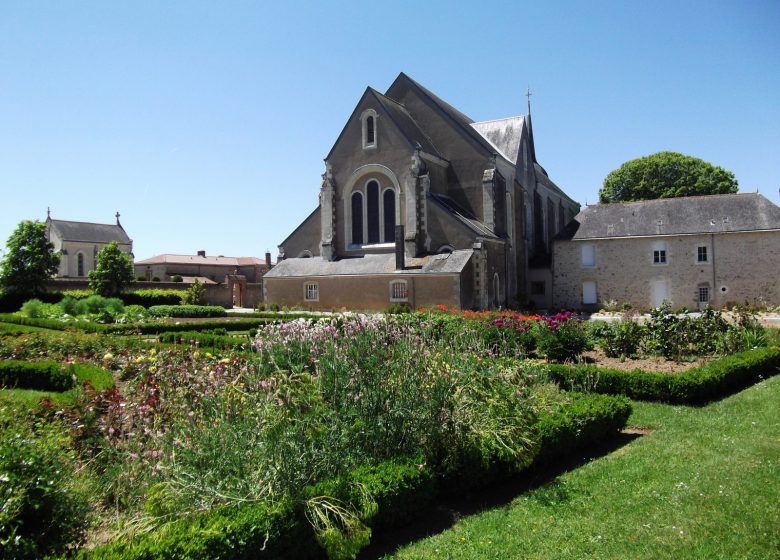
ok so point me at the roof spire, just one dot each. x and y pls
(528, 94)
(48, 212)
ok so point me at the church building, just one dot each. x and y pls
(420, 205)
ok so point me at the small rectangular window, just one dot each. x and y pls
(659, 256)
(311, 291)
(588, 255)
(704, 294)
(701, 254)
(399, 291)
(537, 288)
(589, 296)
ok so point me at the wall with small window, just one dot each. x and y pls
(399, 291)
(311, 291)
(660, 253)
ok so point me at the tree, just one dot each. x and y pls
(31, 260)
(665, 175)
(113, 272)
(195, 294)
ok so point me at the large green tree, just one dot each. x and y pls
(31, 260)
(114, 271)
(665, 175)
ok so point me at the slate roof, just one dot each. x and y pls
(198, 260)
(406, 124)
(89, 232)
(462, 215)
(448, 263)
(675, 216)
(503, 135)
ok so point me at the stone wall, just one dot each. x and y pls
(740, 267)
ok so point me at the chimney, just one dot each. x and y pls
(268, 259)
(399, 248)
(202, 254)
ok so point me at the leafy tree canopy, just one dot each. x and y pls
(114, 271)
(665, 175)
(30, 261)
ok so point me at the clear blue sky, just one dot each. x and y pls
(205, 123)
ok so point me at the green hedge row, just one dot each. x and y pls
(399, 490)
(187, 311)
(42, 376)
(10, 303)
(205, 340)
(695, 386)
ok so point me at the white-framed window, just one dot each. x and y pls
(589, 295)
(399, 291)
(311, 291)
(702, 255)
(369, 125)
(589, 255)
(659, 253)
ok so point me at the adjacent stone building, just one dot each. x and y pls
(207, 269)
(691, 251)
(79, 243)
(421, 205)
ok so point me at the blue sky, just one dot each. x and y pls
(205, 123)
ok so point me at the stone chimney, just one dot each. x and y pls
(268, 259)
(202, 254)
(399, 248)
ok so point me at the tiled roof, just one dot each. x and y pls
(448, 263)
(675, 216)
(89, 232)
(198, 260)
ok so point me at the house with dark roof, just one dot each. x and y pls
(421, 205)
(691, 251)
(79, 243)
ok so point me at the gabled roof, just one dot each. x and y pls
(462, 216)
(675, 216)
(89, 232)
(199, 260)
(503, 134)
(398, 115)
(449, 263)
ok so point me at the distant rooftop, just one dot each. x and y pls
(203, 260)
(89, 232)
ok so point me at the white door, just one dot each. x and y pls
(659, 291)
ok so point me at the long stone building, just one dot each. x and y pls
(691, 251)
(421, 205)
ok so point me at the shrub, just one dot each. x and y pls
(205, 340)
(622, 339)
(561, 337)
(176, 278)
(43, 376)
(32, 308)
(42, 510)
(69, 305)
(187, 311)
(195, 294)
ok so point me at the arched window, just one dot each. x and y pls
(388, 211)
(357, 218)
(370, 131)
(372, 192)
(80, 264)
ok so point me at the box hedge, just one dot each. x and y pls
(205, 340)
(41, 376)
(187, 311)
(696, 386)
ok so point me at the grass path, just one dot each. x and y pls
(704, 484)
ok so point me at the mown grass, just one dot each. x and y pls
(704, 484)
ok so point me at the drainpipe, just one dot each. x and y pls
(714, 276)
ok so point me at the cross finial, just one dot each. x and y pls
(117, 218)
(528, 94)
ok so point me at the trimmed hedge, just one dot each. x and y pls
(187, 311)
(205, 340)
(589, 418)
(42, 376)
(236, 533)
(696, 386)
(152, 297)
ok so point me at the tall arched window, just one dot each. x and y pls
(372, 192)
(80, 264)
(388, 213)
(369, 131)
(357, 218)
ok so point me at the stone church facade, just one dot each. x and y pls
(420, 205)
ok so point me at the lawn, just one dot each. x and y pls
(705, 483)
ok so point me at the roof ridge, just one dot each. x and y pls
(672, 198)
(81, 222)
(501, 119)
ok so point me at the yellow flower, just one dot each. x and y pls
(108, 357)
(224, 361)
(139, 359)
(153, 369)
(209, 355)
(196, 354)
